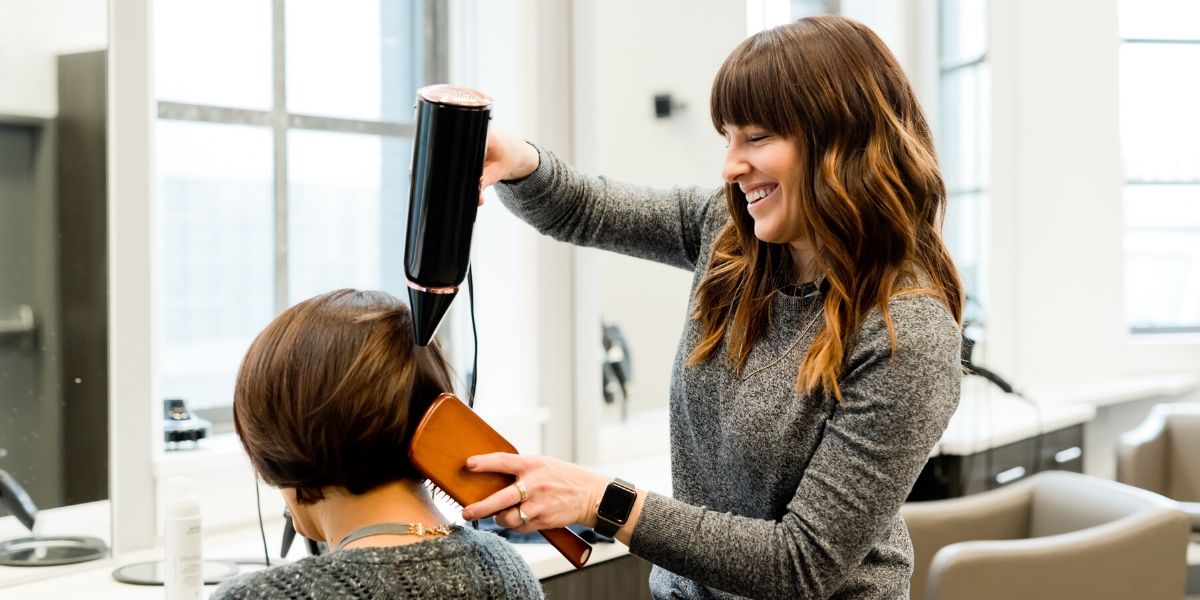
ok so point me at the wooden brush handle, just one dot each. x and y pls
(569, 544)
(448, 434)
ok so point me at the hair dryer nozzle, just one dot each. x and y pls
(428, 308)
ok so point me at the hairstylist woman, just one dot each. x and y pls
(821, 360)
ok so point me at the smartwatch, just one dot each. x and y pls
(614, 508)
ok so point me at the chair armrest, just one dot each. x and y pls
(1139, 556)
(1142, 455)
(1193, 512)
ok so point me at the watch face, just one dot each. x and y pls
(616, 503)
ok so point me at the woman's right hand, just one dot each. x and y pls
(508, 156)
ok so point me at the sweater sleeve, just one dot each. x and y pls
(665, 226)
(895, 407)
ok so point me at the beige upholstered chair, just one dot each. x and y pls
(1054, 535)
(1163, 455)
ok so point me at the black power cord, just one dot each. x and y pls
(968, 346)
(261, 530)
(474, 336)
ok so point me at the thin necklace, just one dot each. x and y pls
(803, 333)
(417, 528)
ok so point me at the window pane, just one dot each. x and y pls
(964, 128)
(203, 55)
(1162, 279)
(1160, 19)
(808, 8)
(347, 209)
(1162, 255)
(1152, 207)
(357, 60)
(1160, 122)
(964, 30)
(963, 233)
(216, 267)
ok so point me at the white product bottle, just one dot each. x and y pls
(183, 575)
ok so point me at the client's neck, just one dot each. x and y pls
(342, 513)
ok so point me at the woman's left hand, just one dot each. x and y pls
(558, 493)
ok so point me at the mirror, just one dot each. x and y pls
(53, 275)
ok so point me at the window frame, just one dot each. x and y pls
(280, 121)
(138, 465)
(978, 295)
(1189, 333)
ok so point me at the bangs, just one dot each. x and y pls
(755, 87)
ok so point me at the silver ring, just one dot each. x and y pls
(524, 517)
(521, 488)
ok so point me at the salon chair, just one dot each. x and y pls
(1163, 455)
(1053, 535)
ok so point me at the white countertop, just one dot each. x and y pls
(1105, 392)
(246, 543)
(988, 418)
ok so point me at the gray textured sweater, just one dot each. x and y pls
(465, 564)
(776, 495)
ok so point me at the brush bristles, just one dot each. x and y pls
(438, 494)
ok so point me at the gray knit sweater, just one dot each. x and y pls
(776, 495)
(465, 564)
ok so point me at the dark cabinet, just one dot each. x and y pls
(949, 475)
(624, 578)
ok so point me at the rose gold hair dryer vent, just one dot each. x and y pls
(447, 163)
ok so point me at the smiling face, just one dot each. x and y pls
(766, 166)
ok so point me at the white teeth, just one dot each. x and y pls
(759, 194)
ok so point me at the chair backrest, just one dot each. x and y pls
(1088, 538)
(1183, 452)
(1001, 514)
(1140, 556)
(1064, 502)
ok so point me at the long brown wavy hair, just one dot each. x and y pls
(873, 212)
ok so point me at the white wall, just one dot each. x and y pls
(626, 52)
(517, 52)
(32, 33)
(1055, 212)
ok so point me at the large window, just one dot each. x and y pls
(283, 147)
(964, 134)
(1160, 126)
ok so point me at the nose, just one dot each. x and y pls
(736, 165)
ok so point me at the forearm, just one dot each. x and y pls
(661, 225)
(751, 557)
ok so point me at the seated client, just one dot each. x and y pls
(325, 405)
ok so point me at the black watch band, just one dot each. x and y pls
(614, 508)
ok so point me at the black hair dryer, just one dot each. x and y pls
(448, 152)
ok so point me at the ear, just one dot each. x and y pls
(301, 517)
